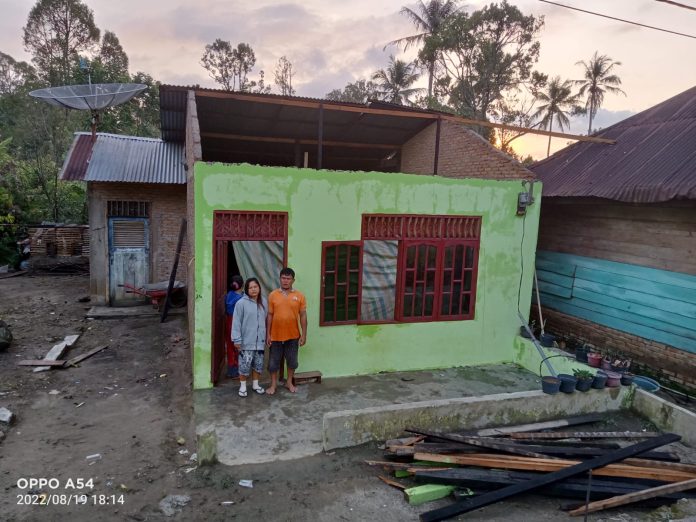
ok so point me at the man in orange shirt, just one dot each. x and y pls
(286, 308)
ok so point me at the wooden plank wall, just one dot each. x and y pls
(646, 302)
(658, 235)
(67, 241)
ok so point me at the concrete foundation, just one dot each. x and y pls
(666, 415)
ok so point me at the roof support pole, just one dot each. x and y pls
(298, 154)
(320, 137)
(437, 145)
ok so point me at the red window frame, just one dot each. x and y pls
(325, 245)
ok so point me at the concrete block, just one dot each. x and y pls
(6, 416)
(347, 428)
(666, 416)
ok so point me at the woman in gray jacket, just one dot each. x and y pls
(249, 335)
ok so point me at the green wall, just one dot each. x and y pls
(327, 205)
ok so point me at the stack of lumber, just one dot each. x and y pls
(60, 241)
(600, 469)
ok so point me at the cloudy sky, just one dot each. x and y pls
(331, 42)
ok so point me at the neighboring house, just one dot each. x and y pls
(401, 225)
(136, 189)
(617, 239)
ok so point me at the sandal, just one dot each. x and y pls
(260, 390)
(242, 393)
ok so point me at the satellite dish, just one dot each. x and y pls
(93, 97)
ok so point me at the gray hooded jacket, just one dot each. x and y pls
(249, 324)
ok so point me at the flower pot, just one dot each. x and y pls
(627, 379)
(524, 333)
(550, 385)
(547, 340)
(599, 381)
(613, 379)
(594, 359)
(584, 385)
(581, 354)
(646, 383)
(606, 363)
(568, 382)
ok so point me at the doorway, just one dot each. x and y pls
(251, 244)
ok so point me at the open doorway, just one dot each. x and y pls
(250, 244)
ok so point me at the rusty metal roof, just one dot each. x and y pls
(653, 160)
(128, 159)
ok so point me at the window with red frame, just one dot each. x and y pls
(431, 278)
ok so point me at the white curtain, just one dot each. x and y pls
(262, 260)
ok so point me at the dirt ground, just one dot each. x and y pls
(131, 404)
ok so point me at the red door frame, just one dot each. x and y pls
(237, 225)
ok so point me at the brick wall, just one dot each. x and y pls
(669, 363)
(463, 154)
(167, 208)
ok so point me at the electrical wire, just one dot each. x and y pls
(677, 4)
(519, 288)
(618, 19)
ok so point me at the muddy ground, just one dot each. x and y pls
(131, 404)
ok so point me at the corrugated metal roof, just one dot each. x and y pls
(128, 159)
(654, 158)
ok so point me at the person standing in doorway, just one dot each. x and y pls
(286, 328)
(231, 299)
(249, 335)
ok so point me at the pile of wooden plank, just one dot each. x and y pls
(599, 469)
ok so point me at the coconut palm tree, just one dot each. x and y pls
(428, 19)
(394, 82)
(599, 78)
(558, 102)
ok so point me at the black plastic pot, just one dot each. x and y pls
(547, 340)
(550, 385)
(568, 382)
(599, 381)
(627, 379)
(524, 333)
(581, 354)
(584, 385)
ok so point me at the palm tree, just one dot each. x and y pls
(598, 80)
(428, 19)
(394, 82)
(558, 102)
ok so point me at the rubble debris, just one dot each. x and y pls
(172, 504)
(57, 351)
(245, 483)
(537, 426)
(95, 456)
(80, 358)
(5, 336)
(427, 493)
(6, 416)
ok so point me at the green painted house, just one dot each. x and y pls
(405, 229)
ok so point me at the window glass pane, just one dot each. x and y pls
(447, 281)
(342, 260)
(354, 257)
(411, 256)
(456, 298)
(329, 310)
(448, 257)
(353, 283)
(432, 256)
(408, 306)
(467, 280)
(330, 263)
(470, 257)
(466, 305)
(430, 281)
(422, 250)
(329, 285)
(352, 313)
(428, 308)
(418, 301)
(410, 274)
(340, 303)
(458, 260)
(444, 309)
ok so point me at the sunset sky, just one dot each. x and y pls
(331, 43)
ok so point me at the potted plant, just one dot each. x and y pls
(581, 353)
(584, 379)
(568, 382)
(547, 339)
(550, 384)
(627, 378)
(613, 379)
(606, 363)
(594, 359)
(523, 329)
(600, 380)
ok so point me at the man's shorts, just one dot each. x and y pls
(250, 360)
(288, 349)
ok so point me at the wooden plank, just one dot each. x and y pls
(547, 266)
(459, 508)
(549, 465)
(305, 377)
(556, 423)
(391, 482)
(483, 442)
(634, 497)
(80, 358)
(172, 275)
(574, 451)
(555, 290)
(556, 279)
(404, 441)
(586, 435)
(347, 144)
(427, 493)
(647, 463)
(53, 354)
(40, 362)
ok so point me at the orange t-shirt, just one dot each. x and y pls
(286, 308)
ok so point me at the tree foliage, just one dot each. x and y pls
(283, 76)
(395, 83)
(557, 103)
(360, 91)
(230, 66)
(598, 79)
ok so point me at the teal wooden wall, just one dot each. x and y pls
(647, 302)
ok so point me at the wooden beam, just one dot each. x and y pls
(40, 362)
(438, 129)
(320, 137)
(586, 435)
(347, 144)
(391, 482)
(630, 498)
(532, 464)
(536, 426)
(80, 358)
(394, 113)
(459, 508)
